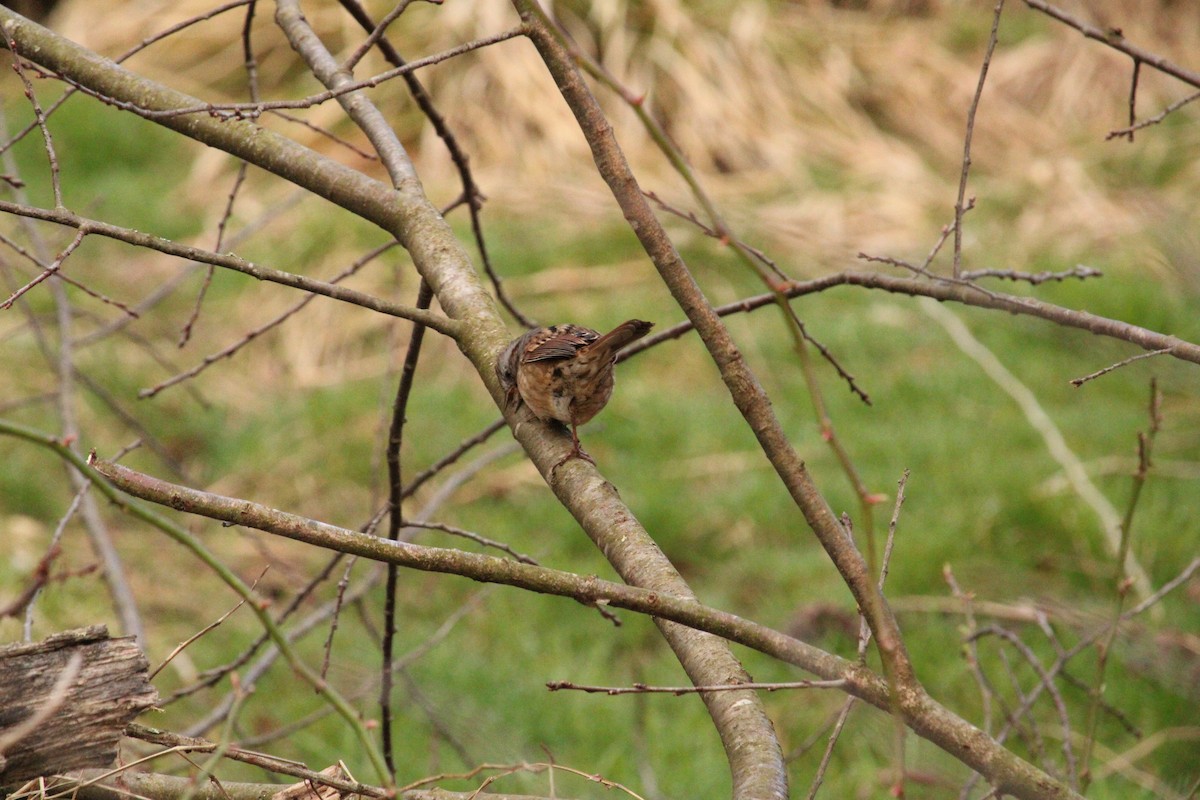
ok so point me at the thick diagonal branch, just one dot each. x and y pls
(756, 760)
(747, 393)
(1007, 772)
(406, 214)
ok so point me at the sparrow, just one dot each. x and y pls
(565, 373)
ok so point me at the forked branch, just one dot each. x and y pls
(928, 719)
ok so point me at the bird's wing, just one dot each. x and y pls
(559, 341)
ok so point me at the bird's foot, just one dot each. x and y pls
(575, 452)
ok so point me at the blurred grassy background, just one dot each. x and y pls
(824, 129)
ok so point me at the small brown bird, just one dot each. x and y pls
(565, 372)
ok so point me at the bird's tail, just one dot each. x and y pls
(621, 335)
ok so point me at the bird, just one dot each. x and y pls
(565, 373)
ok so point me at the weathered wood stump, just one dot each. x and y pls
(65, 701)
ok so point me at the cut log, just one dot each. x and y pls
(65, 701)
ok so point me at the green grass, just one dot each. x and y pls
(685, 464)
(297, 421)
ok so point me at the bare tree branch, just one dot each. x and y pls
(1114, 38)
(925, 717)
(957, 292)
(437, 322)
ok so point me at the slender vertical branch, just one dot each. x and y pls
(960, 205)
(1123, 580)
(1133, 87)
(396, 520)
(186, 334)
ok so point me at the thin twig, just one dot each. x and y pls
(844, 374)
(1133, 87)
(960, 205)
(819, 778)
(891, 537)
(375, 36)
(1164, 590)
(1077, 382)
(232, 349)
(179, 648)
(941, 240)
(437, 322)
(1030, 734)
(1122, 581)
(327, 134)
(724, 238)
(1079, 271)
(42, 571)
(923, 272)
(51, 269)
(1046, 681)
(186, 334)
(230, 111)
(899, 731)
(454, 455)
(1156, 119)
(62, 276)
(1119, 716)
(551, 767)
(474, 537)
(641, 688)
(336, 614)
(40, 118)
(949, 290)
(971, 650)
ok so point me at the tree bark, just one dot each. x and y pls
(65, 702)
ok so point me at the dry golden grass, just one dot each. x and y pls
(832, 127)
(824, 129)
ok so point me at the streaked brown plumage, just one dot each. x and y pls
(565, 372)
